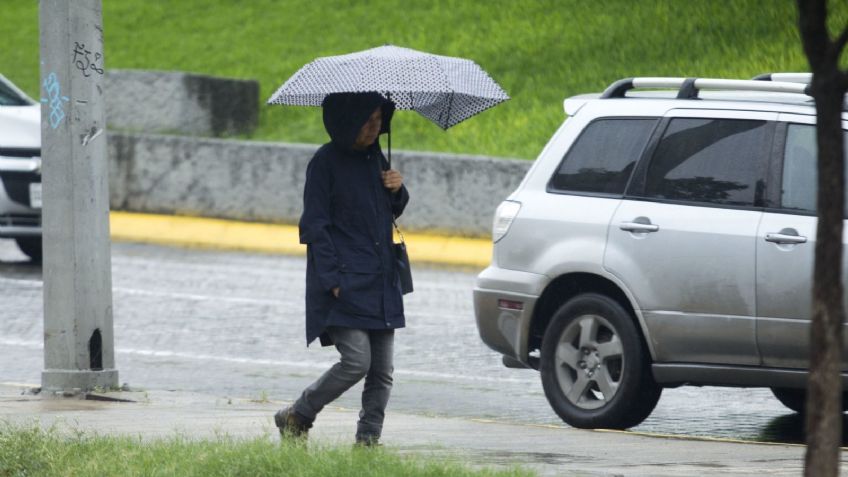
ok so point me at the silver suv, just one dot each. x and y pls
(662, 238)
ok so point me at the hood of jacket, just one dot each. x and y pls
(346, 113)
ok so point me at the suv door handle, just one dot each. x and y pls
(638, 227)
(785, 239)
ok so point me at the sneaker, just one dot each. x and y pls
(291, 424)
(367, 441)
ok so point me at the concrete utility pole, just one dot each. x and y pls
(78, 336)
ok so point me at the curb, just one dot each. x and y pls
(219, 234)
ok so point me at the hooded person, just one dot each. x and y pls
(353, 292)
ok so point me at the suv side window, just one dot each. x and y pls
(799, 186)
(603, 157)
(716, 161)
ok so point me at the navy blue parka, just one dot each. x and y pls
(347, 225)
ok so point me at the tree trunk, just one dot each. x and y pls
(824, 387)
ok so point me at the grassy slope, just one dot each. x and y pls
(539, 51)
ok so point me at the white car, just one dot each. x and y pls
(20, 169)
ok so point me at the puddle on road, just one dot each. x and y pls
(22, 270)
(492, 458)
(501, 457)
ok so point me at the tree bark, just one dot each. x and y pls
(824, 387)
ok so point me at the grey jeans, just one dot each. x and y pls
(364, 353)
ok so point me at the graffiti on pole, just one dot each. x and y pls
(83, 60)
(55, 99)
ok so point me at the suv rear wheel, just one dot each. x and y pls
(31, 247)
(595, 368)
(796, 399)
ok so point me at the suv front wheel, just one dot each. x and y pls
(595, 368)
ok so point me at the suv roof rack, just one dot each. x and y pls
(688, 88)
(805, 78)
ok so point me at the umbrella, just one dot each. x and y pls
(443, 89)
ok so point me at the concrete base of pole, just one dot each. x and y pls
(60, 380)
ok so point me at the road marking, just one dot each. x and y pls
(20, 385)
(318, 365)
(196, 297)
(199, 297)
(20, 281)
(184, 296)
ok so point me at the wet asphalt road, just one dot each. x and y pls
(231, 324)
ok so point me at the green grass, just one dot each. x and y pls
(34, 452)
(539, 51)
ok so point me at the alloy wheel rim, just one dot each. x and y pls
(589, 362)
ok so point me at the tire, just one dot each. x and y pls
(31, 247)
(796, 399)
(601, 377)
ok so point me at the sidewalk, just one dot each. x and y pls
(548, 449)
(199, 232)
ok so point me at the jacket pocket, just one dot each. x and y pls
(361, 288)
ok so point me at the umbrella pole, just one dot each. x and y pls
(389, 131)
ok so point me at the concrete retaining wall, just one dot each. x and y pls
(258, 181)
(180, 103)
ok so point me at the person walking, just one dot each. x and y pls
(353, 293)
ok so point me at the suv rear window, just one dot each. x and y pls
(603, 157)
(718, 161)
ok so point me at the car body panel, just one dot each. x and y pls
(691, 278)
(737, 376)
(20, 167)
(784, 284)
(503, 329)
(574, 227)
(20, 127)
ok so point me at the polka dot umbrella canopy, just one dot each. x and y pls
(444, 89)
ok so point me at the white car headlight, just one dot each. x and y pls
(504, 216)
